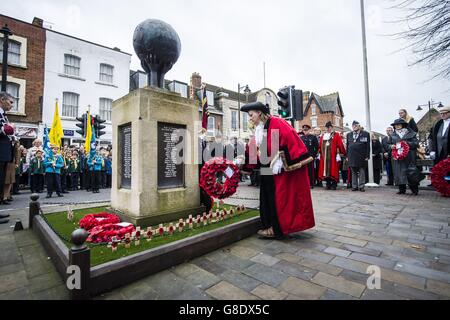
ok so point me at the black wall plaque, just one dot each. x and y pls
(125, 156)
(171, 146)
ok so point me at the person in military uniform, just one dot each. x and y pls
(312, 144)
(358, 152)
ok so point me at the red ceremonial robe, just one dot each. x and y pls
(292, 191)
(336, 144)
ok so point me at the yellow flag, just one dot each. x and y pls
(56, 132)
(87, 145)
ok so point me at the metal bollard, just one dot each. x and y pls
(80, 260)
(34, 210)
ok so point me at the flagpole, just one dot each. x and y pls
(367, 96)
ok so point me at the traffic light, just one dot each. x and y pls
(82, 125)
(291, 103)
(98, 126)
(285, 102)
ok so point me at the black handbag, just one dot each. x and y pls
(414, 175)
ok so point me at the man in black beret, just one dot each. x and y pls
(312, 144)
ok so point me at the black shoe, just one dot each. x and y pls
(60, 195)
(362, 190)
(4, 215)
(401, 192)
(48, 196)
(9, 199)
(2, 221)
(333, 188)
(5, 202)
(354, 189)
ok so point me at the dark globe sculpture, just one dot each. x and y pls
(158, 47)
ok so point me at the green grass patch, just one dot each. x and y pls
(101, 253)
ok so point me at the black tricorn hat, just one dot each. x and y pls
(256, 106)
(306, 125)
(400, 121)
(329, 124)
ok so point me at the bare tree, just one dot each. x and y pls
(427, 31)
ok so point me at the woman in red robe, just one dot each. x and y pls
(285, 195)
(330, 149)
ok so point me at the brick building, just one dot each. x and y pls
(321, 109)
(426, 123)
(25, 80)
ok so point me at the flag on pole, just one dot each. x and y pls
(87, 145)
(205, 113)
(56, 132)
(93, 146)
(46, 143)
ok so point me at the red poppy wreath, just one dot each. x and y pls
(90, 221)
(105, 232)
(440, 177)
(212, 175)
(401, 150)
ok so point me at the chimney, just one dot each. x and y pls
(38, 22)
(196, 84)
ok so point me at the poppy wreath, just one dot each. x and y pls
(400, 155)
(90, 221)
(208, 178)
(439, 177)
(105, 232)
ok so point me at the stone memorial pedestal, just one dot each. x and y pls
(153, 129)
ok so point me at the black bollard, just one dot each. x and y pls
(34, 210)
(80, 266)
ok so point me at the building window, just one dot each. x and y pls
(105, 108)
(337, 121)
(234, 120)
(211, 125)
(13, 89)
(71, 65)
(70, 104)
(13, 52)
(245, 121)
(313, 110)
(313, 122)
(210, 97)
(106, 73)
(180, 88)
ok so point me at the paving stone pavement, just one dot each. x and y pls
(407, 237)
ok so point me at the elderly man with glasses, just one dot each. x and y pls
(440, 137)
(6, 147)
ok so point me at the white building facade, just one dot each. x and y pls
(79, 74)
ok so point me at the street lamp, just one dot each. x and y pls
(429, 105)
(246, 91)
(6, 34)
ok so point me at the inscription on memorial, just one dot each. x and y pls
(171, 145)
(125, 156)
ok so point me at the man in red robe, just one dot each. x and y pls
(331, 148)
(285, 195)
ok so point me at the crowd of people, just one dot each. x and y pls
(61, 170)
(345, 157)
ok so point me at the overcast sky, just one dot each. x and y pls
(313, 44)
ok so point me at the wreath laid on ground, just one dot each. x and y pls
(105, 232)
(440, 177)
(401, 150)
(212, 175)
(90, 221)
